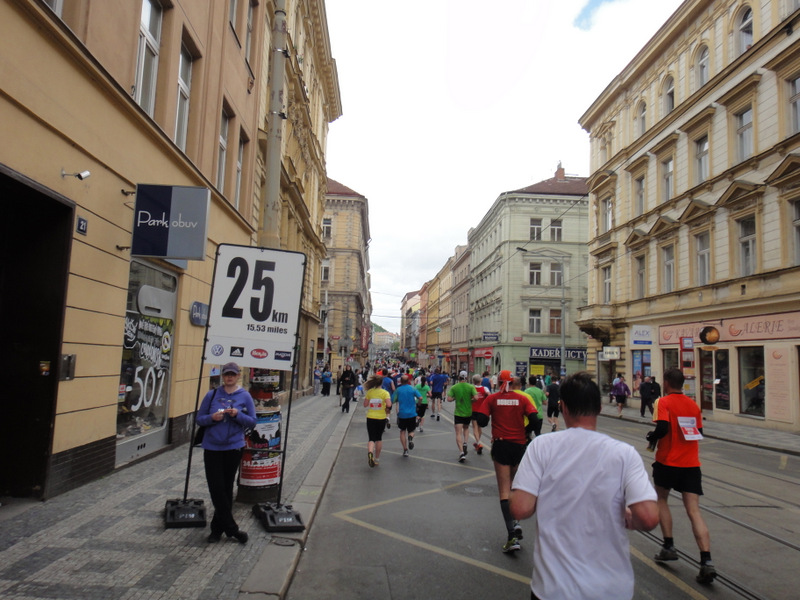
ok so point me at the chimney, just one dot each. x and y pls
(560, 175)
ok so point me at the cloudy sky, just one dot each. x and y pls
(449, 103)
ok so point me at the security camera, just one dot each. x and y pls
(83, 175)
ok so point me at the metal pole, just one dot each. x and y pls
(269, 231)
(563, 322)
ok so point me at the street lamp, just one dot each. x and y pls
(560, 260)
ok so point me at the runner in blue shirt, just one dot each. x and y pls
(438, 380)
(405, 396)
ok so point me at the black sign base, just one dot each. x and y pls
(184, 513)
(277, 518)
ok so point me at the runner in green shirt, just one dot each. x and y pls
(462, 393)
(535, 392)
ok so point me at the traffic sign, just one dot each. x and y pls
(255, 307)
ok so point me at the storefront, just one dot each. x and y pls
(743, 367)
(546, 360)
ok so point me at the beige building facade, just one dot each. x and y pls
(528, 277)
(695, 211)
(345, 278)
(97, 98)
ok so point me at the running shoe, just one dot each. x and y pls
(511, 545)
(388, 424)
(405, 453)
(555, 426)
(462, 458)
(478, 447)
(464, 449)
(517, 530)
(666, 554)
(420, 430)
(707, 573)
(410, 444)
(437, 418)
(371, 459)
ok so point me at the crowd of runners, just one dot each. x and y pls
(566, 468)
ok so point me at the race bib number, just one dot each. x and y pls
(688, 427)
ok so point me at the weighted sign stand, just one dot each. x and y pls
(187, 512)
(277, 517)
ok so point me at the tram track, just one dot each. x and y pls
(723, 579)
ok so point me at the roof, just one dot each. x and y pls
(337, 189)
(560, 186)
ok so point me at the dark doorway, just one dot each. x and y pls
(35, 237)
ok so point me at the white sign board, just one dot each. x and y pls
(255, 307)
(611, 352)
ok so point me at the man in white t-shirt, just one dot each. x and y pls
(585, 489)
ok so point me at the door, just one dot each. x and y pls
(35, 239)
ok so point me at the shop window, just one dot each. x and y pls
(722, 390)
(670, 360)
(751, 380)
(146, 351)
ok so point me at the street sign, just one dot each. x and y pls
(253, 320)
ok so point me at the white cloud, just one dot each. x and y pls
(448, 104)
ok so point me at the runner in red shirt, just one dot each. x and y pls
(507, 410)
(679, 427)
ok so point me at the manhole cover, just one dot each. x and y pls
(282, 542)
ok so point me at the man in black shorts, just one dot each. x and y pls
(552, 402)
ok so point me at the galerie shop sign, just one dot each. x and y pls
(170, 221)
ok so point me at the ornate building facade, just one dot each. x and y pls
(695, 211)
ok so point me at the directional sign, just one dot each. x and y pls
(255, 307)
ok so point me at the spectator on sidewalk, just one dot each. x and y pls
(649, 392)
(326, 379)
(679, 427)
(621, 393)
(226, 413)
(585, 489)
(347, 385)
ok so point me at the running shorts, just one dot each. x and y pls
(680, 479)
(507, 453)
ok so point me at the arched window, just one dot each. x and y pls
(641, 118)
(669, 95)
(745, 31)
(702, 67)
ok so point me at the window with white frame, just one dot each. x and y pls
(641, 118)
(327, 227)
(326, 270)
(702, 244)
(556, 275)
(232, 13)
(667, 178)
(605, 282)
(668, 269)
(794, 103)
(747, 246)
(222, 157)
(535, 274)
(638, 196)
(796, 228)
(147, 55)
(640, 276)
(701, 159)
(669, 95)
(555, 230)
(744, 133)
(702, 67)
(555, 321)
(606, 214)
(239, 168)
(745, 31)
(534, 320)
(536, 229)
(184, 93)
(248, 40)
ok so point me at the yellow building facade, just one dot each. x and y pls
(98, 98)
(695, 212)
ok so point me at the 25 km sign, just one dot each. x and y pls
(255, 307)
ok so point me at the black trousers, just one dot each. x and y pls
(221, 467)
